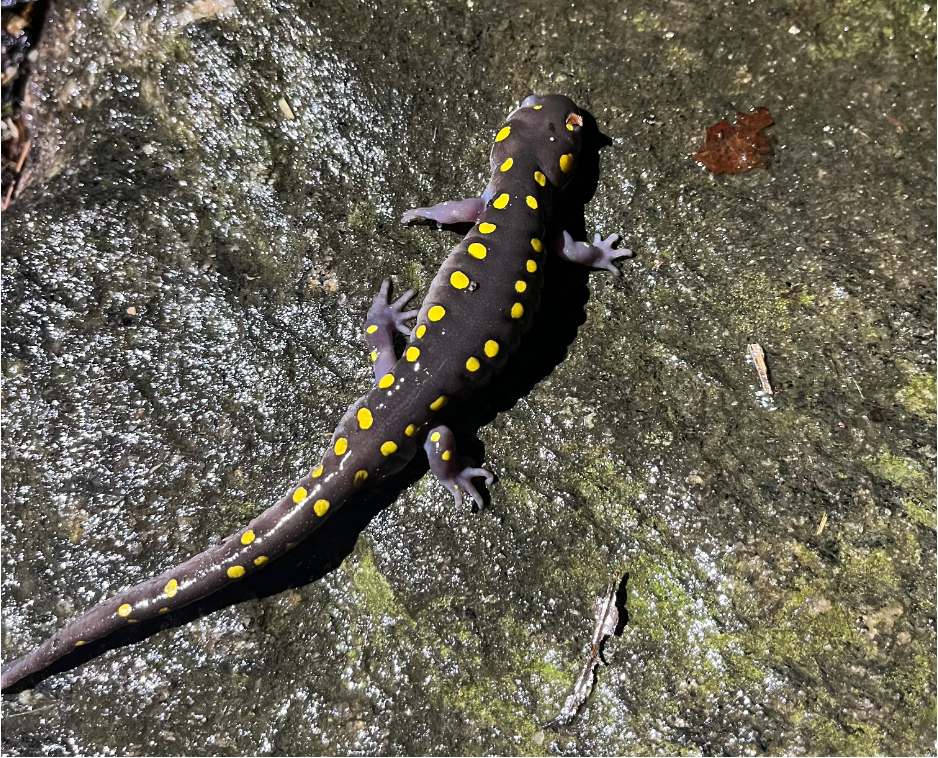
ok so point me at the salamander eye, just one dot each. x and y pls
(574, 120)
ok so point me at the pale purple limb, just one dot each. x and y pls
(451, 212)
(382, 322)
(453, 471)
(600, 254)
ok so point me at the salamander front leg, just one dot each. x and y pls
(600, 254)
(454, 473)
(450, 213)
(383, 320)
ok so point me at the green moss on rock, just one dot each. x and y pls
(920, 396)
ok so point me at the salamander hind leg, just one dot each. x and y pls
(454, 473)
(451, 212)
(600, 254)
(383, 321)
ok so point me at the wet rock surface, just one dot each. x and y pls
(213, 204)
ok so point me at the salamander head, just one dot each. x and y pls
(552, 128)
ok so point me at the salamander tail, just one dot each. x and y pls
(267, 537)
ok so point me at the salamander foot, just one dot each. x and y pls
(390, 315)
(447, 214)
(600, 254)
(454, 473)
(383, 320)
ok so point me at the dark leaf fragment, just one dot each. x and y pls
(22, 23)
(606, 613)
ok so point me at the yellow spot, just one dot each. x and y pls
(317, 472)
(570, 127)
(133, 621)
(531, 266)
(261, 560)
(436, 313)
(171, 588)
(520, 286)
(540, 178)
(247, 538)
(435, 437)
(447, 454)
(360, 477)
(124, 610)
(374, 355)
(412, 354)
(477, 250)
(79, 643)
(537, 244)
(491, 348)
(538, 107)
(486, 228)
(421, 330)
(365, 419)
(164, 610)
(532, 203)
(291, 545)
(299, 495)
(386, 381)
(473, 364)
(236, 572)
(372, 329)
(566, 163)
(517, 310)
(459, 280)
(506, 130)
(411, 430)
(500, 202)
(320, 507)
(439, 403)
(388, 447)
(508, 164)
(341, 445)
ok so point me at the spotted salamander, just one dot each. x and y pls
(474, 315)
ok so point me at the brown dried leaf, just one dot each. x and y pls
(738, 147)
(758, 358)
